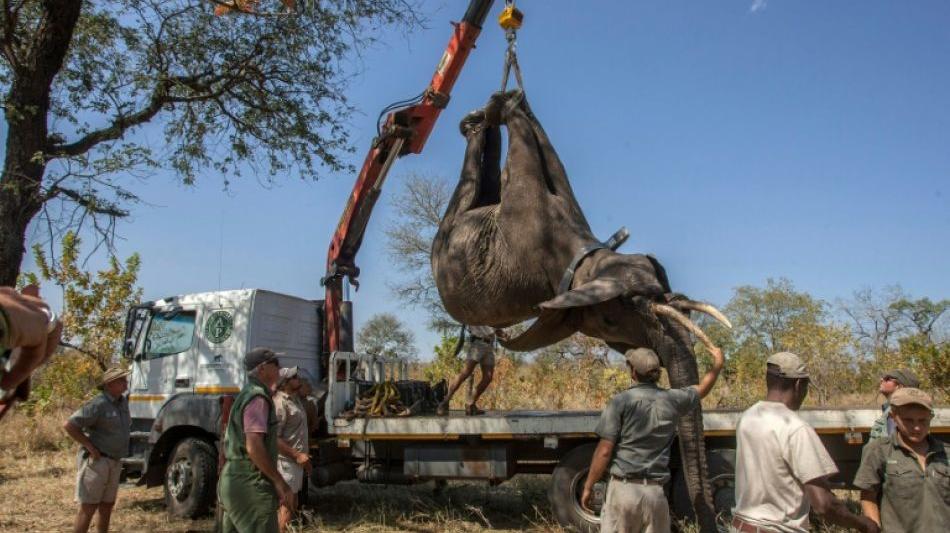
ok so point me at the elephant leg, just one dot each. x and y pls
(550, 327)
(682, 370)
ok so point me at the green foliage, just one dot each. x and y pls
(445, 363)
(383, 334)
(94, 306)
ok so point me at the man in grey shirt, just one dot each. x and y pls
(636, 430)
(101, 427)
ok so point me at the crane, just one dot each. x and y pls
(403, 131)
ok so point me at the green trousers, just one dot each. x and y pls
(248, 499)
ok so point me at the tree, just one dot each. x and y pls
(94, 306)
(419, 208)
(383, 334)
(261, 91)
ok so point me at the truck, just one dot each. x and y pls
(186, 356)
(186, 353)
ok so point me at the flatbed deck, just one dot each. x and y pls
(499, 425)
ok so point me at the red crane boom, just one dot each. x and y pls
(405, 131)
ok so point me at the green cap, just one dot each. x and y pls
(643, 360)
(903, 376)
(787, 365)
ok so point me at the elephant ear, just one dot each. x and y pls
(590, 293)
(550, 327)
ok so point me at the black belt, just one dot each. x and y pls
(636, 480)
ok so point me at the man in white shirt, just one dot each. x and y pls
(782, 468)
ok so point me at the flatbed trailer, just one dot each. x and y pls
(499, 445)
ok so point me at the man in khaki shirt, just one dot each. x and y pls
(292, 435)
(904, 478)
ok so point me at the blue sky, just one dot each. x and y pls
(737, 140)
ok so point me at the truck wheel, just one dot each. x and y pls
(190, 479)
(567, 485)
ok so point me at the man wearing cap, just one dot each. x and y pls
(250, 486)
(292, 432)
(890, 382)
(101, 427)
(904, 478)
(636, 430)
(782, 467)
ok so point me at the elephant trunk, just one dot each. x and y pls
(681, 367)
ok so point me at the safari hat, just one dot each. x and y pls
(787, 365)
(112, 374)
(643, 361)
(911, 396)
(903, 376)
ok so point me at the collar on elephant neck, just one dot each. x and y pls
(614, 242)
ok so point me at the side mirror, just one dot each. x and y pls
(127, 348)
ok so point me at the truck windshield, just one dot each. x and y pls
(169, 333)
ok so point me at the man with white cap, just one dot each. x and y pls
(101, 426)
(905, 478)
(636, 430)
(782, 468)
(292, 432)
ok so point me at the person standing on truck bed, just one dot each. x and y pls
(891, 381)
(636, 430)
(101, 426)
(480, 353)
(250, 486)
(908, 471)
(294, 458)
(782, 468)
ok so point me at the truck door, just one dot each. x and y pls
(168, 355)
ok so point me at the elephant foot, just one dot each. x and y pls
(442, 409)
(473, 410)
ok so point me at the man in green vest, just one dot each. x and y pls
(250, 487)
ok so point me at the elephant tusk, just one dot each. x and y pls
(666, 310)
(703, 307)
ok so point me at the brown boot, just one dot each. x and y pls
(473, 410)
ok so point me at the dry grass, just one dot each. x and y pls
(37, 482)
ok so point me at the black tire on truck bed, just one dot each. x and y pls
(190, 478)
(567, 484)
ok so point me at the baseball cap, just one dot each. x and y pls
(787, 365)
(643, 360)
(903, 376)
(911, 396)
(257, 356)
(287, 373)
(113, 374)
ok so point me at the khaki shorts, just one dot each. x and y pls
(97, 481)
(292, 474)
(480, 352)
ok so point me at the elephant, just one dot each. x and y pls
(514, 245)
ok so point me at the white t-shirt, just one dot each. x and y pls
(776, 454)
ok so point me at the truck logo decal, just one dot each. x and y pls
(219, 326)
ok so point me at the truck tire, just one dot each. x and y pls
(567, 484)
(190, 479)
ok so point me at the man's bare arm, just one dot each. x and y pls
(257, 452)
(598, 467)
(833, 510)
(709, 378)
(869, 505)
(77, 435)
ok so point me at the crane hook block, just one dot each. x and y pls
(511, 18)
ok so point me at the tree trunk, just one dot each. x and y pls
(27, 107)
(683, 372)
